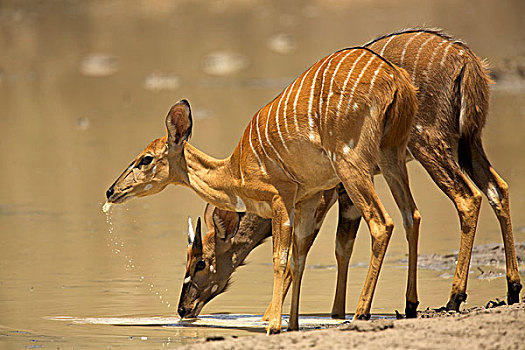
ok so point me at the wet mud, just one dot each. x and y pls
(477, 328)
(488, 260)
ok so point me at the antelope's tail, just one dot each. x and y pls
(401, 112)
(472, 96)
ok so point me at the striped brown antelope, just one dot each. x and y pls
(347, 113)
(452, 83)
(212, 258)
(453, 97)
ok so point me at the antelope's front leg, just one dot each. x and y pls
(303, 237)
(282, 220)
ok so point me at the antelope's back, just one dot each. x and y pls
(330, 101)
(439, 66)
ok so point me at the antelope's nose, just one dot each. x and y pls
(110, 192)
(182, 311)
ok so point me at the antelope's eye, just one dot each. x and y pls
(200, 265)
(146, 160)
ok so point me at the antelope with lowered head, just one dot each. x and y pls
(453, 96)
(212, 258)
(349, 112)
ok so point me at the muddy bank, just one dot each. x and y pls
(487, 328)
(487, 260)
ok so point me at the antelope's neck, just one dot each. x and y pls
(253, 230)
(211, 178)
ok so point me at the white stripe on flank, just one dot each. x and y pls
(286, 106)
(406, 46)
(268, 138)
(384, 47)
(330, 93)
(277, 120)
(417, 58)
(445, 54)
(259, 136)
(267, 122)
(240, 162)
(322, 89)
(357, 82)
(425, 72)
(347, 80)
(311, 99)
(372, 81)
(253, 149)
(295, 102)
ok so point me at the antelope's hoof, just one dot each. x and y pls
(455, 301)
(291, 328)
(411, 309)
(338, 316)
(273, 330)
(364, 317)
(513, 292)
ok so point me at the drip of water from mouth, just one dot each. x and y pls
(106, 207)
(117, 246)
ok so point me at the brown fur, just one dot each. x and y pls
(328, 126)
(463, 79)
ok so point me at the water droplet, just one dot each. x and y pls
(106, 207)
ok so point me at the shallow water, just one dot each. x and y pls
(84, 86)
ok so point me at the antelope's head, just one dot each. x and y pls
(159, 164)
(210, 260)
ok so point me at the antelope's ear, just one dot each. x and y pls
(179, 123)
(208, 215)
(226, 223)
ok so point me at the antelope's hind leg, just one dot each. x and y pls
(393, 167)
(497, 192)
(438, 160)
(347, 226)
(360, 188)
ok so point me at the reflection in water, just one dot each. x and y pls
(85, 85)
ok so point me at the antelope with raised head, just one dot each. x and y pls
(453, 97)
(334, 123)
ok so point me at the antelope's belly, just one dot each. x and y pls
(312, 168)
